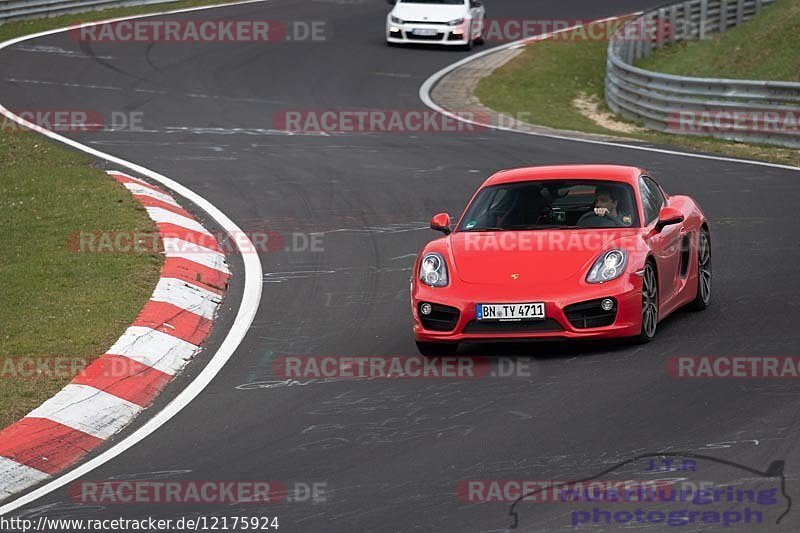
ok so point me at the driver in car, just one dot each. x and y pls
(605, 212)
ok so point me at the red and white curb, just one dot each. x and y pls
(108, 394)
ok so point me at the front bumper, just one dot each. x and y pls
(626, 322)
(444, 34)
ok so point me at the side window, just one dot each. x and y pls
(655, 193)
(649, 202)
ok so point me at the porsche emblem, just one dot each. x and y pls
(515, 276)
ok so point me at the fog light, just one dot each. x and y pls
(425, 309)
(607, 304)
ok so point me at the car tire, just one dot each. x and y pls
(437, 349)
(649, 304)
(469, 44)
(703, 298)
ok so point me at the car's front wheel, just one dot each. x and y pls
(437, 349)
(479, 38)
(649, 304)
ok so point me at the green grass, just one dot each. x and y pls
(56, 303)
(544, 80)
(766, 47)
(541, 84)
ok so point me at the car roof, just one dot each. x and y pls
(620, 173)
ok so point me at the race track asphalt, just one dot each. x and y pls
(391, 452)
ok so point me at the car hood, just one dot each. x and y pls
(538, 257)
(429, 12)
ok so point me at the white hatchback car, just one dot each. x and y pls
(448, 22)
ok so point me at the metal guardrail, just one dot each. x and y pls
(23, 9)
(739, 110)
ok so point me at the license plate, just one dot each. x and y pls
(526, 311)
(424, 32)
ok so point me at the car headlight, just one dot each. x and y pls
(433, 270)
(395, 20)
(456, 22)
(608, 266)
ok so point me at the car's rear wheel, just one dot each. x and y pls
(437, 349)
(703, 298)
(649, 304)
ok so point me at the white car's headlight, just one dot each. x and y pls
(395, 20)
(456, 22)
(608, 266)
(433, 270)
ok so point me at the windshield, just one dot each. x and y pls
(440, 2)
(552, 204)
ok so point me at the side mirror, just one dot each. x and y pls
(441, 222)
(475, 3)
(667, 217)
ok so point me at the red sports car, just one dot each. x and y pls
(582, 251)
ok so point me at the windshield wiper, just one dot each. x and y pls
(487, 228)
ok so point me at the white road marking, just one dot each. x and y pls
(59, 51)
(64, 84)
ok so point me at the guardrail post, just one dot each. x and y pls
(688, 24)
(739, 11)
(673, 22)
(703, 18)
(660, 27)
(723, 15)
(637, 45)
(758, 6)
